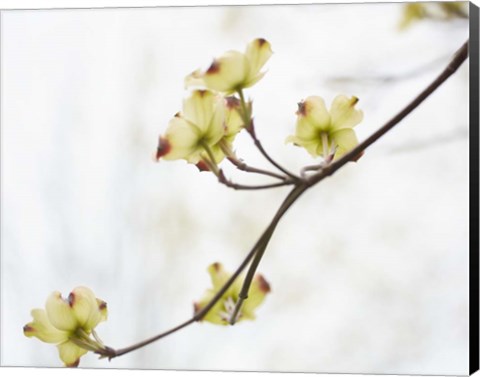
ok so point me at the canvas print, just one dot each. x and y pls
(275, 188)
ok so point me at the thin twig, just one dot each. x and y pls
(262, 150)
(236, 186)
(241, 165)
(250, 127)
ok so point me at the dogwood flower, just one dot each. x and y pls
(326, 133)
(234, 70)
(193, 132)
(68, 323)
(222, 311)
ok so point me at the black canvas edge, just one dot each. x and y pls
(474, 190)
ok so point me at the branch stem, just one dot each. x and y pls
(301, 185)
(240, 165)
(243, 295)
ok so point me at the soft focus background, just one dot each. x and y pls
(369, 270)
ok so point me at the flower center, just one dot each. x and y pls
(229, 306)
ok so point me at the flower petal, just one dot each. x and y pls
(216, 127)
(42, 329)
(257, 53)
(217, 153)
(213, 315)
(85, 307)
(70, 353)
(205, 112)
(102, 307)
(310, 145)
(182, 138)
(218, 275)
(345, 139)
(314, 111)
(59, 313)
(196, 78)
(344, 114)
(233, 120)
(198, 108)
(227, 73)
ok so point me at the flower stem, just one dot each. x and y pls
(240, 165)
(248, 122)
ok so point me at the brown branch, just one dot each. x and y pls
(262, 150)
(237, 186)
(301, 185)
(459, 57)
(240, 165)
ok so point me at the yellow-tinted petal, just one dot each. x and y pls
(257, 53)
(310, 145)
(42, 329)
(233, 120)
(313, 111)
(216, 127)
(205, 112)
(85, 307)
(344, 114)
(198, 108)
(60, 314)
(70, 353)
(256, 295)
(216, 152)
(213, 315)
(218, 275)
(306, 130)
(227, 73)
(253, 80)
(102, 307)
(345, 140)
(182, 138)
(196, 78)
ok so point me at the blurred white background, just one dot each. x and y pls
(369, 269)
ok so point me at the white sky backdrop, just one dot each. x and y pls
(369, 270)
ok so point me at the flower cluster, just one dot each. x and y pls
(203, 132)
(216, 111)
(223, 310)
(68, 323)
